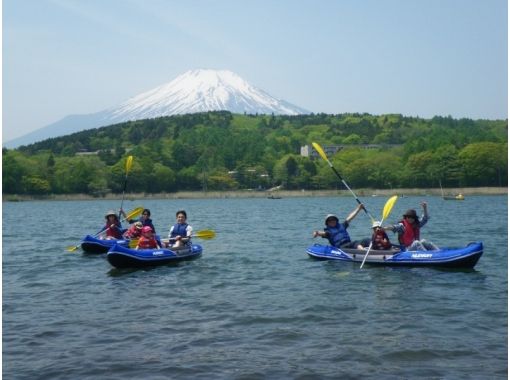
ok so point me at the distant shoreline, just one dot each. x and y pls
(467, 191)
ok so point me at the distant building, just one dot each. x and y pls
(331, 150)
(84, 152)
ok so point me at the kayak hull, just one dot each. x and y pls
(123, 257)
(92, 244)
(464, 257)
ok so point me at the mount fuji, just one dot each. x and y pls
(194, 91)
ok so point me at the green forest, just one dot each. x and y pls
(225, 151)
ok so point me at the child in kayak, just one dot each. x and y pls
(379, 239)
(147, 241)
(113, 227)
(408, 230)
(134, 231)
(336, 232)
(181, 232)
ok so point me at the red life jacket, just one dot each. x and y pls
(147, 243)
(411, 233)
(114, 232)
(133, 232)
(380, 240)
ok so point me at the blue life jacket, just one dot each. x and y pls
(337, 235)
(179, 230)
(148, 222)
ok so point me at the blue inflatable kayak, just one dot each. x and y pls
(465, 257)
(93, 244)
(123, 257)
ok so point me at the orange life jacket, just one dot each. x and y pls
(147, 243)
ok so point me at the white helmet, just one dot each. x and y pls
(329, 216)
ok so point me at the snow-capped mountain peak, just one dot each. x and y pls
(201, 91)
(194, 91)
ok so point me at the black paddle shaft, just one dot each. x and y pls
(352, 192)
(123, 194)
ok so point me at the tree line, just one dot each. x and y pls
(225, 151)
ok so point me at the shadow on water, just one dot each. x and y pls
(412, 269)
(392, 268)
(423, 271)
(118, 272)
(93, 255)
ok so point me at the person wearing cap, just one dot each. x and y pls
(408, 230)
(145, 219)
(147, 240)
(112, 227)
(336, 232)
(380, 239)
(180, 233)
(134, 231)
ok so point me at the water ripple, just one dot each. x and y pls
(254, 306)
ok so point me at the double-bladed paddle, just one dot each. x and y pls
(129, 163)
(321, 152)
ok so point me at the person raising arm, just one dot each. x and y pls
(336, 232)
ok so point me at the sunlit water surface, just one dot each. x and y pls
(254, 305)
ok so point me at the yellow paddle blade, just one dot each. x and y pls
(134, 213)
(72, 249)
(389, 206)
(319, 150)
(129, 163)
(205, 234)
(133, 243)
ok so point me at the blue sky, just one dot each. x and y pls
(414, 57)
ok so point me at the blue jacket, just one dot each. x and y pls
(338, 235)
(148, 222)
(179, 230)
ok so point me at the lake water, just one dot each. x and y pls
(254, 306)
